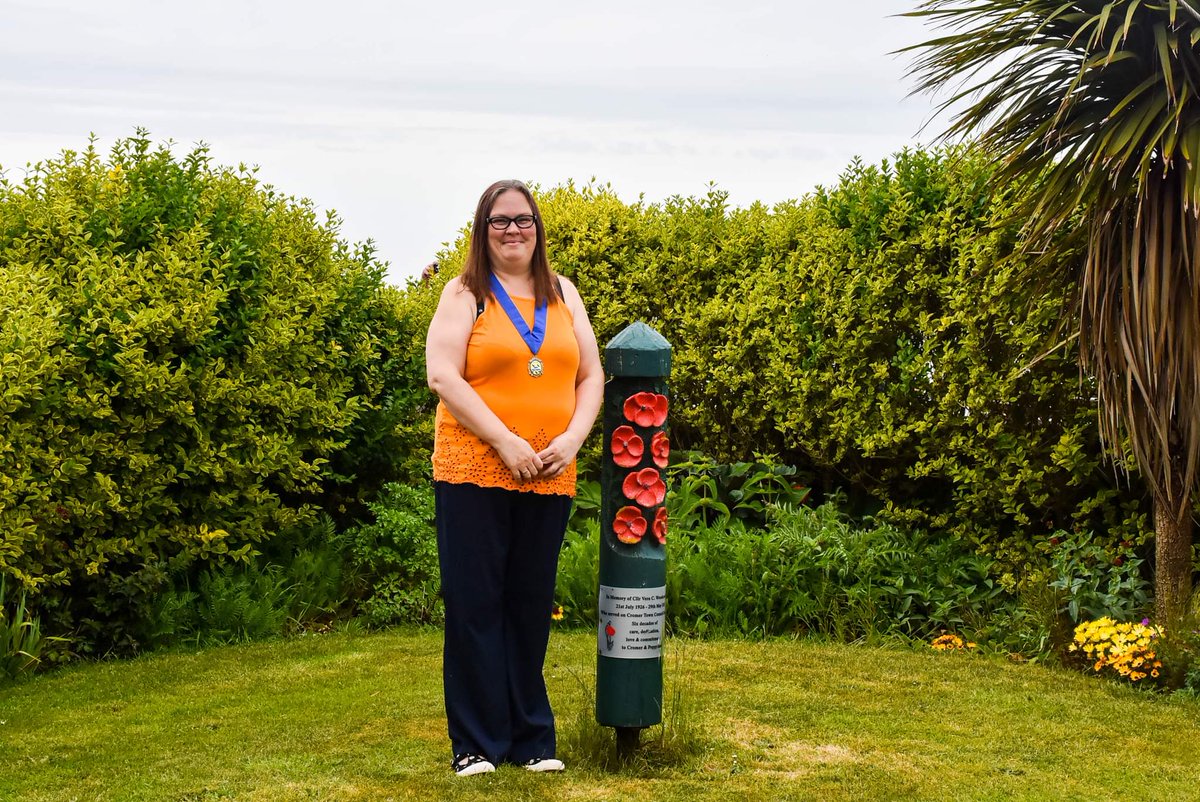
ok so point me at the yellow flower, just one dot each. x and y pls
(1124, 647)
(948, 642)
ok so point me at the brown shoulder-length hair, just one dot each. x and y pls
(478, 267)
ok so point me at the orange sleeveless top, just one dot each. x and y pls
(538, 409)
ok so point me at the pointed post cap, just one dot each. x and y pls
(638, 351)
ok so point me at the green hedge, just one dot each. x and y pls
(192, 364)
(906, 359)
(874, 334)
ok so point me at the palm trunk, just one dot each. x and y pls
(1173, 556)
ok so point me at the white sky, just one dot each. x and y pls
(398, 114)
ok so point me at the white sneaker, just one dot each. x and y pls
(544, 764)
(468, 765)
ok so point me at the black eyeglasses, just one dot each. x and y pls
(500, 222)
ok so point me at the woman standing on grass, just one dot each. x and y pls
(512, 356)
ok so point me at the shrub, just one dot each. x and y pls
(299, 580)
(193, 363)
(803, 571)
(906, 362)
(875, 334)
(396, 558)
(392, 440)
(230, 604)
(812, 571)
(742, 490)
(318, 571)
(1095, 581)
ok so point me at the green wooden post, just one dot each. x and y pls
(633, 566)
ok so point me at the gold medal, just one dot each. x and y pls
(535, 367)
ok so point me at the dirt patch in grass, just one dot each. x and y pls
(767, 750)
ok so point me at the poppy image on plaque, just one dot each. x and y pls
(645, 487)
(627, 447)
(660, 449)
(646, 409)
(629, 525)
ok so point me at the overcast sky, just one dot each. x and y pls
(398, 114)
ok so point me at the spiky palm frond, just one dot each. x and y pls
(1100, 103)
(1092, 95)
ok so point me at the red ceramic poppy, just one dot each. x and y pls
(660, 447)
(645, 487)
(660, 524)
(627, 447)
(629, 525)
(609, 630)
(646, 409)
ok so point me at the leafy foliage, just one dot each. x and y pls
(800, 571)
(1095, 107)
(300, 580)
(879, 335)
(575, 588)
(318, 570)
(811, 571)
(193, 363)
(21, 639)
(741, 490)
(396, 558)
(195, 378)
(239, 603)
(1096, 582)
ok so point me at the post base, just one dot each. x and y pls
(627, 741)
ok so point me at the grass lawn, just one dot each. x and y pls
(359, 717)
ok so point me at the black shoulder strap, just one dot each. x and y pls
(478, 308)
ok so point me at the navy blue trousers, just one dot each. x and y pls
(498, 553)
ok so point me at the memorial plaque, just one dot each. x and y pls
(631, 622)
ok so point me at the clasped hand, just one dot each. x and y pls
(526, 464)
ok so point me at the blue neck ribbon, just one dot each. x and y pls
(532, 338)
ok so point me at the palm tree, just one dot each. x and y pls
(1096, 107)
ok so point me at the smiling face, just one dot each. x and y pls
(512, 248)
